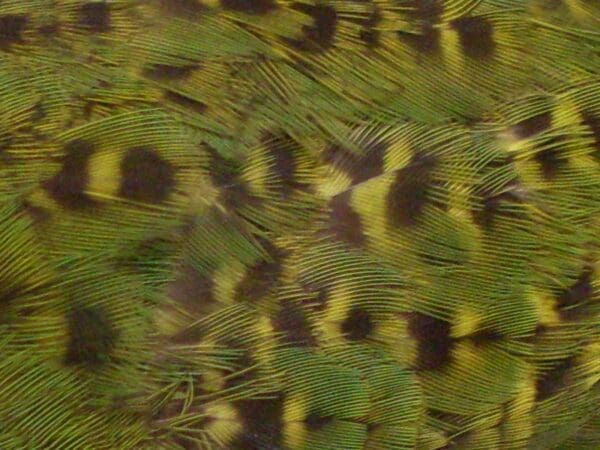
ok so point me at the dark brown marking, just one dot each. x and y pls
(49, 30)
(425, 10)
(282, 149)
(91, 336)
(12, 27)
(146, 176)
(318, 36)
(293, 323)
(68, 186)
(95, 16)
(245, 371)
(165, 72)
(358, 325)
(345, 223)
(593, 123)
(532, 126)
(434, 341)
(552, 381)
(548, 157)
(476, 36)
(315, 421)
(408, 194)
(493, 206)
(426, 42)
(192, 289)
(249, 6)
(579, 293)
(186, 102)
(369, 34)
(263, 425)
(260, 278)
(359, 167)
(182, 8)
(225, 174)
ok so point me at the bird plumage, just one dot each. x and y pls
(318, 225)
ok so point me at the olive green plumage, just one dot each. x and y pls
(312, 225)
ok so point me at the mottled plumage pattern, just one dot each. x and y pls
(299, 224)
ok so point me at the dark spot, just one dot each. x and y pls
(95, 16)
(262, 425)
(318, 36)
(49, 30)
(486, 336)
(68, 186)
(91, 336)
(345, 223)
(186, 102)
(146, 176)
(369, 34)
(358, 325)
(593, 123)
(12, 27)
(426, 42)
(192, 289)
(476, 36)
(315, 422)
(39, 112)
(552, 381)
(261, 277)
(164, 72)
(358, 167)
(36, 213)
(580, 292)
(293, 323)
(249, 6)
(548, 157)
(408, 195)
(425, 10)
(245, 371)
(181, 8)
(282, 149)
(493, 206)
(225, 174)
(434, 341)
(532, 126)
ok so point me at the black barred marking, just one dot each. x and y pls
(580, 292)
(263, 425)
(49, 30)
(358, 324)
(245, 370)
(486, 336)
(548, 157)
(476, 36)
(146, 176)
(91, 336)
(95, 16)
(192, 289)
(315, 421)
(426, 42)
(552, 381)
(165, 72)
(68, 186)
(434, 341)
(318, 36)
(345, 223)
(181, 7)
(358, 167)
(282, 149)
(260, 278)
(12, 27)
(593, 123)
(369, 34)
(225, 174)
(186, 102)
(425, 10)
(291, 320)
(249, 6)
(408, 195)
(532, 126)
